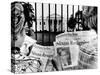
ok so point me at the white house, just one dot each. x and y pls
(52, 23)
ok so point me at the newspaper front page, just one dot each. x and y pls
(44, 54)
(67, 51)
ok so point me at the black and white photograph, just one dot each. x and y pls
(41, 32)
(65, 56)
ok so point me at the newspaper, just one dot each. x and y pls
(41, 59)
(80, 36)
(44, 54)
(65, 54)
(87, 42)
(68, 52)
(88, 54)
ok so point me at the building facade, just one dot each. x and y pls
(57, 24)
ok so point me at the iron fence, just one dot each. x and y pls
(46, 37)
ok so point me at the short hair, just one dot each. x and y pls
(91, 17)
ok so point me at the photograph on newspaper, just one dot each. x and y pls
(64, 50)
(65, 56)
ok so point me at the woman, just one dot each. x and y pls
(20, 42)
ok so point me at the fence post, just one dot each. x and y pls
(73, 11)
(49, 23)
(42, 24)
(36, 20)
(67, 16)
(55, 21)
(78, 18)
(61, 17)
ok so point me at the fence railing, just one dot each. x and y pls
(54, 24)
